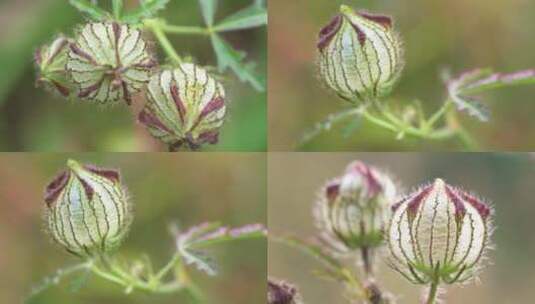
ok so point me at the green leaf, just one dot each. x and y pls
(189, 241)
(328, 123)
(90, 9)
(208, 9)
(228, 57)
(499, 80)
(55, 279)
(468, 103)
(252, 16)
(462, 90)
(146, 9)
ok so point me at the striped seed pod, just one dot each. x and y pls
(360, 55)
(280, 292)
(185, 107)
(51, 60)
(353, 209)
(438, 232)
(109, 62)
(87, 210)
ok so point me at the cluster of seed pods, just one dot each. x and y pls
(108, 62)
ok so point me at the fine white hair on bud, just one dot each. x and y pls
(185, 107)
(360, 55)
(87, 209)
(439, 233)
(109, 62)
(353, 209)
(51, 60)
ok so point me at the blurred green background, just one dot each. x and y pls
(187, 188)
(506, 180)
(32, 119)
(456, 35)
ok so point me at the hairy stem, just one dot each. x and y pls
(111, 271)
(326, 124)
(168, 267)
(57, 277)
(366, 256)
(390, 125)
(466, 139)
(433, 291)
(156, 27)
(438, 114)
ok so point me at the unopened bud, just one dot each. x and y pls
(438, 232)
(360, 55)
(51, 60)
(87, 209)
(109, 62)
(353, 209)
(185, 107)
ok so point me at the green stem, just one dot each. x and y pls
(327, 124)
(117, 8)
(379, 121)
(433, 290)
(156, 27)
(468, 141)
(438, 114)
(57, 277)
(421, 133)
(108, 276)
(366, 255)
(168, 267)
(185, 30)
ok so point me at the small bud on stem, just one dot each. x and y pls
(87, 210)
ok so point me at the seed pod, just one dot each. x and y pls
(109, 62)
(51, 60)
(353, 209)
(185, 107)
(87, 209)
(438, 232)
(280, 292)
(360, 55)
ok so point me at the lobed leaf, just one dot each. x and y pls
(252, 16)
(208, 9)
(58, 276)
(91, 9)
(146, 9)
(228, 57)
(206, 234)
(467, 103)
(499, 80)
(462, 90)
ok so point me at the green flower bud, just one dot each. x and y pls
(360, 55)
(51, 60)
(109, 62)
(185, 107)
(87, 212)
(353, 209)
(438, 233)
